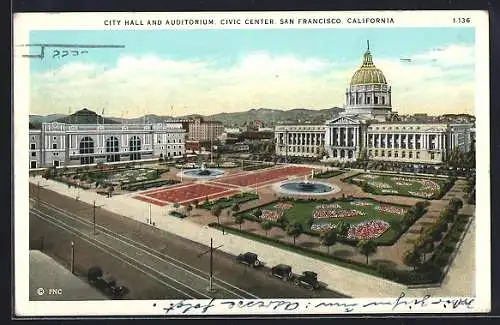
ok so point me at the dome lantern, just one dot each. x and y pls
(368, 74)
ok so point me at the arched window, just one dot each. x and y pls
(86, 148)
(134, 146)
(112, 146)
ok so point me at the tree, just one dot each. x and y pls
(329, 238)
(266, 226)
(294, 230)
(342, 229)
(216, 211)
(235, 207)
(196, 203)
(412, 259)
(257, 213)
(239, 220)
(367, 248)
(176, 206)
(189, 208)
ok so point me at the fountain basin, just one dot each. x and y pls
(306, 188)
(202, 173)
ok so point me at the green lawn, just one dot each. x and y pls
(420, 187)
(302, 211)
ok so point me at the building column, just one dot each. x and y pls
(356, 129)
(400, 140)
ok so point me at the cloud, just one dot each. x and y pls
(436, 81)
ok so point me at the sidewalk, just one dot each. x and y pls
(346, 281)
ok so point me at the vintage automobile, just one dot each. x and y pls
(105, 283)
(250, 259)
(283, 272)
(308, 279)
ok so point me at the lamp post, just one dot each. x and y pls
(72, 257)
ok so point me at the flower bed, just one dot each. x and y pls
(368, 230)
(328, 213)
(361, 203)
(322, 227)
(390, 209)
(283, 206)
(380, 185)
(272, 215)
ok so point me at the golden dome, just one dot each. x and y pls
(368, 73)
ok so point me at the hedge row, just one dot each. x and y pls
(328, 174)
(144, 185)
(256, 167)
(227, 202)
(177, 214)
(443, 252)
(427, 275)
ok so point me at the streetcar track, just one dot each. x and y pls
(154, 253)
(110, 252)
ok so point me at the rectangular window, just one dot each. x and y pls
(389, 154)
(432, 156)
(33, 154)
(410, 154)
(396, 155)
(33, 164)
(32, 146)
(417, 155)
(54, 146)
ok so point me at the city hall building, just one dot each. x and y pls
(61, 144)
(366, 126)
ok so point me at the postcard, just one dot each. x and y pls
(251, 163)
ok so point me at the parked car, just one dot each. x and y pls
(283, 271)
(105, 283)
(308, 279)
(250, 259)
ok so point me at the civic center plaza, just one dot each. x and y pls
(376, 215)
(366, 125)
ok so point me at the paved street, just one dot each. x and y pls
(149, 261)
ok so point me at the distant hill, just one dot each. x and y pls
(39, 119)
(270, 117)
(277, 116)
(85, 116)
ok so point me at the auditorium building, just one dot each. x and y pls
(62, 144)
(367, 127)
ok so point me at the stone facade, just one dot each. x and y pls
(364, 128)
(60, 144)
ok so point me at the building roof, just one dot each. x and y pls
(46, 273)
(368, 73)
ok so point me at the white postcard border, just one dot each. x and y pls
(23, 23)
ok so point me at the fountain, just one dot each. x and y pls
(202, 172)
(306, 187)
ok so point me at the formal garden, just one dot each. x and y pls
(394, 184)
(364, 225)
(107, 179)
(361, 219)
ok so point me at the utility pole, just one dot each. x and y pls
(211, 251)
(149, 218)
(72, 257)
(38, 186)
(94, 217)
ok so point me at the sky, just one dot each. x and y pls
(179, 72)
